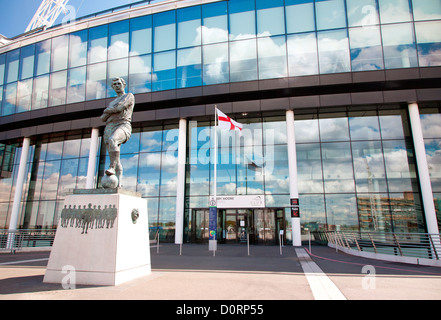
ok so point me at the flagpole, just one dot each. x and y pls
(215, 151)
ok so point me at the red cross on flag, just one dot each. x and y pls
(225, 122)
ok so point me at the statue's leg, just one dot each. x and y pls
(117, 138)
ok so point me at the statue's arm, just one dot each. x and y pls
(119, 107)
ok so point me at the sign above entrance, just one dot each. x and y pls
(241, 202)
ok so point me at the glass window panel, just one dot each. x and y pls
(40, 94)
(189, 68)
(82, 173)
(399, 46)
(116, 68)
(366, 50)
(334, 129)
(164, 71)
(341, 212)
(132, 146)
(167, 217)
(272, 57)
(140, 74)
(330, 14)
(362, 13)
(49, 184)
(141, 35)
(68, 177)
(274, 131)
(429, 43)
(406, 212)
(394, 11)
(369, 166)
(57, 88)
(27, 62)
(337, 167)
(54, 150)
(199, 138)
(46, 213)
(374, 212)
(312, 208)
(198, 183)
(243, 60)
(364, 126)
(270, 17)
(130, 175)
(400, 166)
(426, 9)
(169, 161)
(309, 164)
(119, 39)
(431, 125)
(276, 169)
(43, 57)
(60, 53)
(76, 85)
(78, 49)
(2, 68)
(433, 154)
(97, 51)
(189, 27)
(393, 125)
(1, 100)
(164, 26)
(24, 95)
(215, 23)
(242, 19)
(299, 16)
(151, 139)
(215, 69)
(12, 63)
(333, 52)
(96, 81)
(71, 148)
(170, 140)
(10, 99)
(226, 173)
(306, 131)
(302, 54)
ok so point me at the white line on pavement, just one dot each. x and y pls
(322, 287)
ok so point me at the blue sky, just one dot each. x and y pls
(16, 14)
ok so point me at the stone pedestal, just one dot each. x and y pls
(103, 237)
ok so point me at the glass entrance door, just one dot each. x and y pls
(199, 225)
(237, 224)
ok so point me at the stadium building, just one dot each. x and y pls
(339, 101)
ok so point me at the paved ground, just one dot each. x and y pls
(233, 275)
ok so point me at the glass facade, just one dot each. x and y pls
(221, 42)
(356, 169)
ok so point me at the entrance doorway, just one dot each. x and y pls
(262, 226)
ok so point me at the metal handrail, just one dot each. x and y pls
(26, 238)
(418, 245)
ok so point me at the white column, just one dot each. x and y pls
(180, 192)
(292, 165)
(423, 169)
(15, 212)
(91, 165)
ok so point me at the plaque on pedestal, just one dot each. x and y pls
(102, 236)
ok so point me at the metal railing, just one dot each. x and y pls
(417, 245)
(26, 238)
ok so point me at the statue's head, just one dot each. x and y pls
(118, 84)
